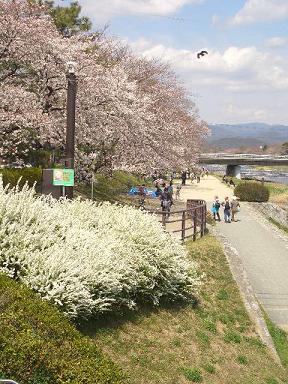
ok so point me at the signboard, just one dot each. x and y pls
(63, 177)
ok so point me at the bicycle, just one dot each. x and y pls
(142, 204)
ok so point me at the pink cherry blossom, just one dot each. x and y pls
(131, 113)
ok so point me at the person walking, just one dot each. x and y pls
(178, 190)
(227, 210)
(183, 177)
(170, 189)
(215, 208)
(142, 192)
(154, 176)
(166, 201)
(234, 208)
(158, 190)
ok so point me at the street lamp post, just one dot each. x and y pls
(70, 128)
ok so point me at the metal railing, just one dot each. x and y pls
(190, 223)
(242, 156)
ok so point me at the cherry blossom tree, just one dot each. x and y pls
(131, 113)
(30, 65)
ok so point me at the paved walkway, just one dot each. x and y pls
(262, 248)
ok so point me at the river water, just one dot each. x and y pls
(275, 176)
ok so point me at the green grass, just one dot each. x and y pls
(193, 374)
(32, 176)
(280, 339)
(38, 345)
(113, 189)
(214, 339)
(242, 359)
(280, 226)
(209, 368)
(277, 189)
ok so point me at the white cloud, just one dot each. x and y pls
(106, 9)
(276, 42)
(245, 114)
(236, 69)
(261, 11)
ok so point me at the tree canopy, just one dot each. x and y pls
(67, 18)
(131, 113)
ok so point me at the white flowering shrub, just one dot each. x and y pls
(89, 258)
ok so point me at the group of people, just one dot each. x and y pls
(195, 175)
(231, 208)
(165, 192)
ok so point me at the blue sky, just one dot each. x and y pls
(245, 76)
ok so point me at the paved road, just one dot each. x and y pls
(262, 248)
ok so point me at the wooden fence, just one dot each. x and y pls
(185, 224)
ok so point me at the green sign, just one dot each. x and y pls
(63, 177)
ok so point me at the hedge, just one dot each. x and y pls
(252, 192)
(30, 175)
(38, 345)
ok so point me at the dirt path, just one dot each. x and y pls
(262, 248)
(206, 189)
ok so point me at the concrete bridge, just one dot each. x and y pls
(234, 161)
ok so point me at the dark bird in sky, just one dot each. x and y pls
(202, 53)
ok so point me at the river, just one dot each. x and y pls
(273, 175)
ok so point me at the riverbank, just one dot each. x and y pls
(274, 213)
(274, 174)
(278, 193)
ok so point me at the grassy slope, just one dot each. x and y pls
(116, 189)
(112, 189)
(38, 345)
(280, 226)
(213, 343)
(278, 193)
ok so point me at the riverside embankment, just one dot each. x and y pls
(261, 247)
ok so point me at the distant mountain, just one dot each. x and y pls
(250, 134)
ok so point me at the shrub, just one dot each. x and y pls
(89, 258)
(39, 345)
(27, 175)
(252, 192)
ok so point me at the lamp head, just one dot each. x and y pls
(71, 66)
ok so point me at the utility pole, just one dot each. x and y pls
(70, 128)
